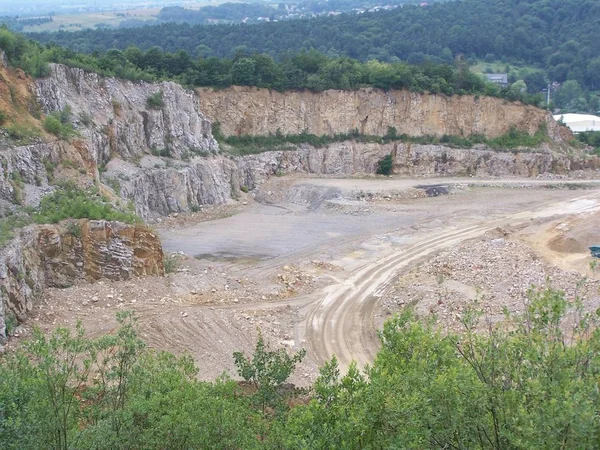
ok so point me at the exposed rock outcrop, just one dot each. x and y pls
(254, 111)
(218, 180)
(58, 255)
(114, 117)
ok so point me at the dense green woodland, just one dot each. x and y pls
(302, 70)
(536, 386)
(560, 36)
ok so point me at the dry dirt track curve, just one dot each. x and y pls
(341, 322)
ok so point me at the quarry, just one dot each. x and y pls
(306, 244)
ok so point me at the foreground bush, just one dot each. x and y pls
(532, 382)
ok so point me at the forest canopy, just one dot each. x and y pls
(306, 69)
(558, 36)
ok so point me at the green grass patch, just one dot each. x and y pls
(70, 202)
(67, 202)
(155, 101)
(516, 138)
(21, 133)
(10, 223)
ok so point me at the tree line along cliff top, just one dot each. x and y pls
(306, 69)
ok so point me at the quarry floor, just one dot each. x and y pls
(320, 263)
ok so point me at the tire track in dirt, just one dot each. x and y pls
(341, 323)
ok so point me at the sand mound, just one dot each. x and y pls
(579, 236)
(563, 244)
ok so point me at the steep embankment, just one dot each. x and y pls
(58, 255)
(254, 111)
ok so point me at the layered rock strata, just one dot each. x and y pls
(59, 255)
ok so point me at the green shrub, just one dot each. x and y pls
(385, 165)
(11, 322)
(74, 229)
(171, 264)
(52, 125)
(70, 202)
(57, 123)
(216, 132)
(161, 152)
(86, 118)
(3, 117)
(68, 164)
(530, 382)
(155, 101)
(50, 167)
(515, 138)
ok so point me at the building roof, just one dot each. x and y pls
(579, 123)
(497, 77)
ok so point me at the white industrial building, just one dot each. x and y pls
(578, 123)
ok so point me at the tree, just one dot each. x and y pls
(267, 370)
(243, 72)
(536, 82)
(567, 93)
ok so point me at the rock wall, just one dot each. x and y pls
(218, 180)
(203, 181)
(254, 111)
(114, 119)
(58, 255)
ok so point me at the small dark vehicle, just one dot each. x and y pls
(595, 249)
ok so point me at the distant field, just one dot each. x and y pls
(81, 21)
(75, 22)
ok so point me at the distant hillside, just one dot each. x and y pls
(560, 36)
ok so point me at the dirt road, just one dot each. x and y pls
(341, 322)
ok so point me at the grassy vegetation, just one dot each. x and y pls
(67, 202)
(70, 202)
(155, 101)
(59, 124)
(114, 184)
(385, 165)
(591, 138)
(244, 145)
(21, 134)
(516, 138)
(10, 223)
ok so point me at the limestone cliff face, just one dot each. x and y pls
(55, 255)
(254, 111)
(202, 181)
(114, 119)
(218, 180)
(410, 160)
